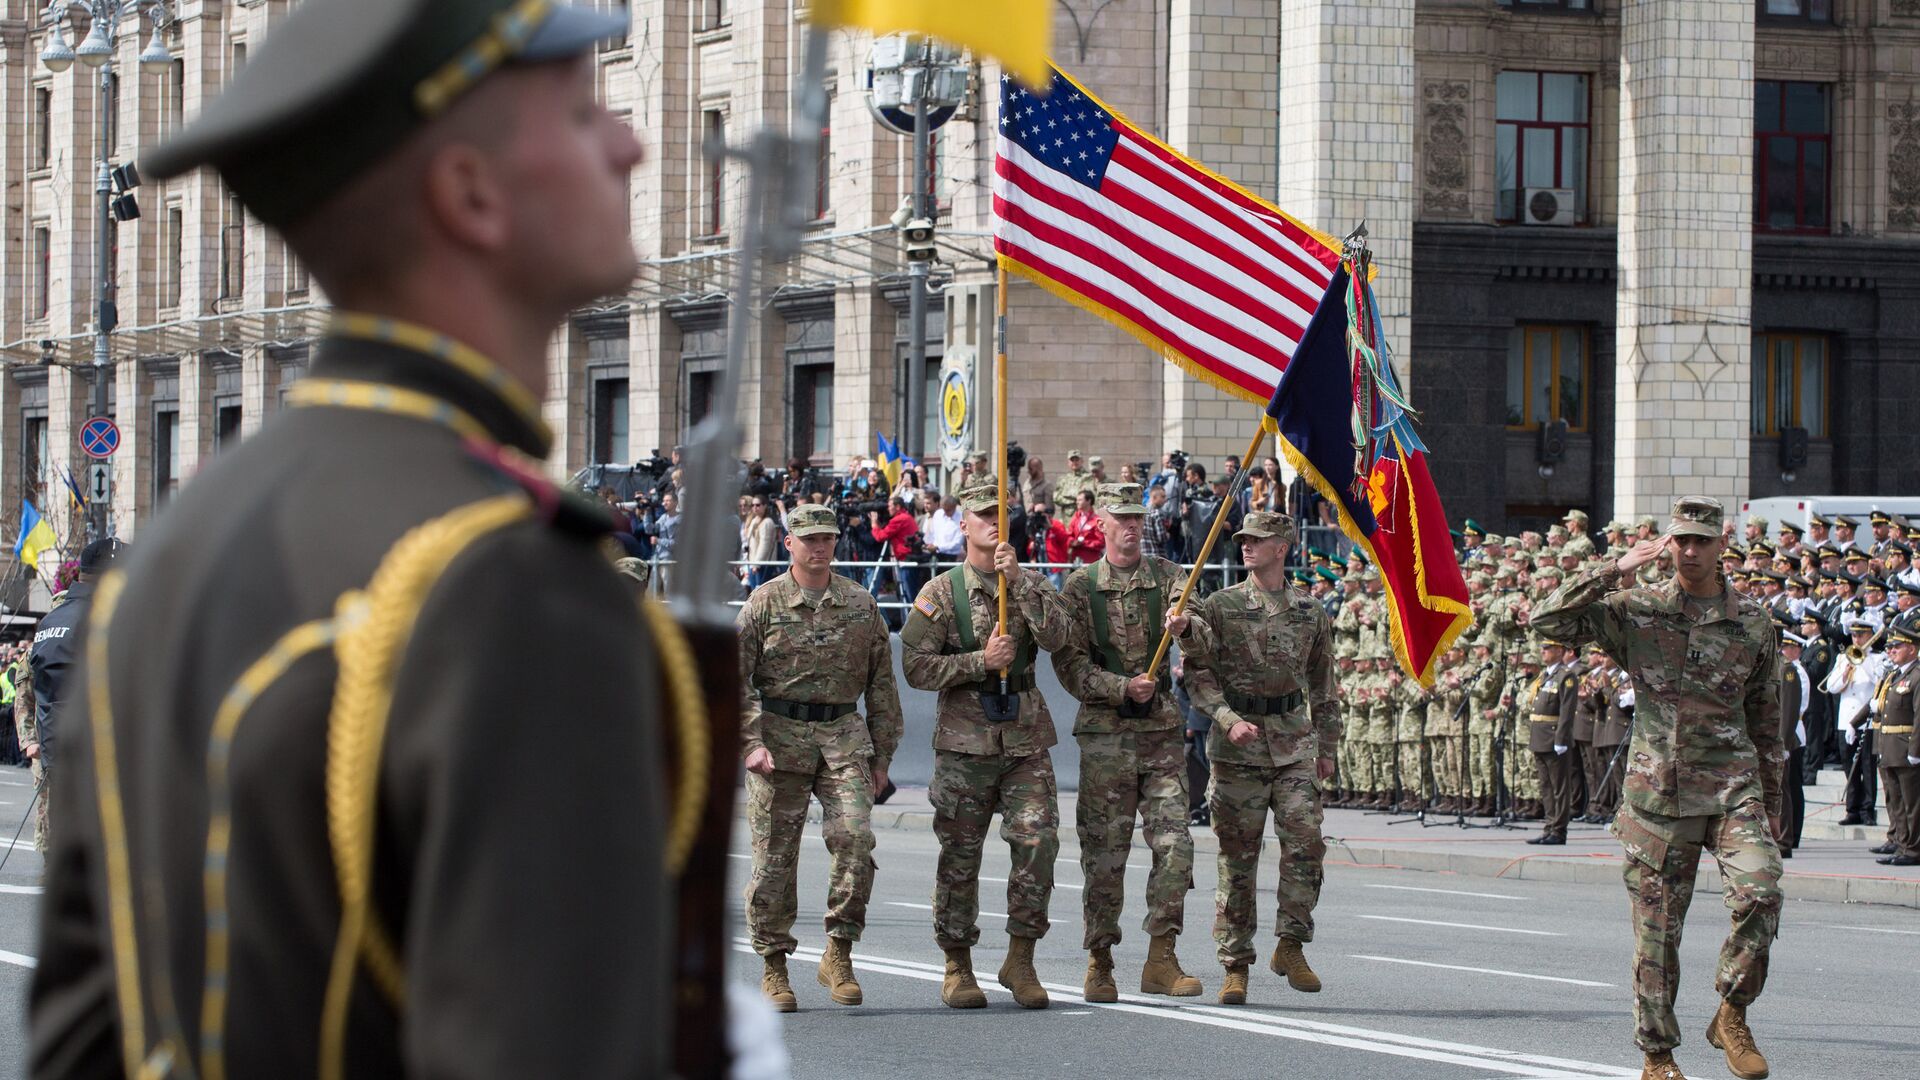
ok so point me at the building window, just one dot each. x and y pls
(614, 44)
(298, 281)
(226, 403)
(713, 13)
(607, 351)
(1547, 5)
(1547, 376)
(166, 436)
(823, 179)
(1541, 138)
(289, 366)
(35, 453)
(233, 248)
(1790, 383)
(42, 126)
(809, 350)
(702, 353)
(1807, 11)
(171, 254)
(176, 95)
(1793, 155)
(239, 60)
(715, 128)
(42, 296)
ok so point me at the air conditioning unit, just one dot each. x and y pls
(1548, 206)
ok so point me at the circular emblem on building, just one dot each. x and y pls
(954, 406)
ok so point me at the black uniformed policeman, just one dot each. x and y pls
(288, 845)
(51, 661)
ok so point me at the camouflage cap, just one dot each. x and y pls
(979, 497)
(1756, 519)
(1096, 461)
(1480, 578)
(1648, 521)
(979, 457)
(1576, 515)
(1071, 454)
(1261, 524)
(1697, 515)
(812, 519)
(1616, 525)
(1120, 499)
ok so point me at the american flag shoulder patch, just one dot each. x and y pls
(925, 607)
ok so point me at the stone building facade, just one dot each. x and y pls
(1683, 226)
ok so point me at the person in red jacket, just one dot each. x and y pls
(1086, 541)
(1046, 540)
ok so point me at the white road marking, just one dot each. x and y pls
(1862, 929)
(24, 890)
(1464, 926)
(1505, 1063)
(1449, 892)
(1479, 970)
(18, 959)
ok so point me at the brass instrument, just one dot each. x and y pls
(1857, 654)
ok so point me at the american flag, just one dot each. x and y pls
(1113, 220)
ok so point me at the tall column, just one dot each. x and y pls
(1682, 381)
(1222, 59)
(1346, 136)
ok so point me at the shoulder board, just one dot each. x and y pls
(565, 510)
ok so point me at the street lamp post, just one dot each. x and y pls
(97, 52)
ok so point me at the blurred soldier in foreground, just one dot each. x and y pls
(990, 742)
(286, 845)
(1132, 750)
(812, 644)
(1704, 768)
(1260, 661)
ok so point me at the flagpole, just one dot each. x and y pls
(1000, 432)
(1213, 536)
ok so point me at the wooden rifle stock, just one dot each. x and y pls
(703, 935)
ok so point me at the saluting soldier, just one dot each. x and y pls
(1132, 749)
(286, 845)
(812, 645)
(1610, 732)
(1552, 699)
(1260, 661)
(1899, 747)
(991, 740)
(1704, 769)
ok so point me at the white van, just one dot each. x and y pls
(1799, 509)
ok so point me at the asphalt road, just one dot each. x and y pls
(1427, 975)
(19, 920)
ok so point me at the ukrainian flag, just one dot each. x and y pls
(890, 459)
(36, 536)
(1018, 33)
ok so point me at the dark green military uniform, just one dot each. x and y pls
(365, 778)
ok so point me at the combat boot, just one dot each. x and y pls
(1099, 987)
(1162, 974)
(1730, 1034)
(774, 984)
(958, 990)
(1660, 1066)
(1017, 975)
(836, 972)
(1290, 961)
(1234, 990)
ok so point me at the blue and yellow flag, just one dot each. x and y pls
(1018, 33)
(36, 536)
(890, 460)
(78, 502)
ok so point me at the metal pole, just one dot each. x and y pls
(913, 438)
(103, 280)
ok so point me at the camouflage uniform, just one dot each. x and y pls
(1447, 738)
(1066, 490)
(26, 726)
(1266, 658)
(1482, 715)
(1128, 765)
(1380, 716)
(979, 766)
(825, 654)
(1409, 739)
(1705, 767)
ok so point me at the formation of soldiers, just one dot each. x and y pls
(1516, 725)
(1258, 659)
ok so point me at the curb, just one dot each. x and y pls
(1590, 869)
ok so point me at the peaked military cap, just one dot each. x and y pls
(1472, 528)
(1122, 499)
(1859, 626)
(1829, 549)
(1911, 588)
(1261, 524)
(1871, 582)
(1761, 548)
(1903, 636)
(1856, 555)
(1845, 520)
(1696, 515)
(1880, 517)
(342, 83)
(1816, 519)
(812, 519)
(1788, 526)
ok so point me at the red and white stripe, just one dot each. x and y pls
(1212, 273)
